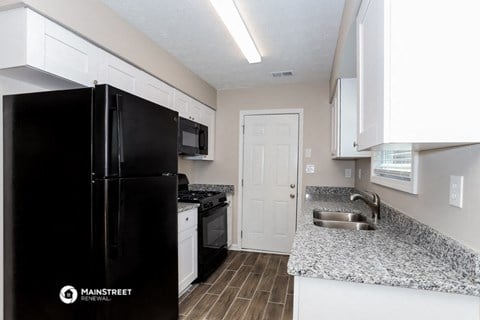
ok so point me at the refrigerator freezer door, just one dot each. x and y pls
(133, 137)
(141, 245)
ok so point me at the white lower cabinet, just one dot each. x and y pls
(187, 249)
(316, 298)
(229, 219)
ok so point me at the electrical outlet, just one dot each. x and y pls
(348, 173)
(456, 191)
(310, 168)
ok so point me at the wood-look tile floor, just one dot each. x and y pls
(247, 286)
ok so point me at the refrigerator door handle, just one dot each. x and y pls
(118, 106)
(114, 220)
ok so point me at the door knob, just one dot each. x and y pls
(292, 195)
(292, 186)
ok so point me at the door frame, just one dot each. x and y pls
(266, 112)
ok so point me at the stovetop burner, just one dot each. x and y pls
(206, 199)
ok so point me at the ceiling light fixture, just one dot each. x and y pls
(230, 16)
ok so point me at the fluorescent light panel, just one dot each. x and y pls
(230, 16)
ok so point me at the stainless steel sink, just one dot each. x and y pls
(343, 225)
(338, 216)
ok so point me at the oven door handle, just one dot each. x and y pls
(213, 212)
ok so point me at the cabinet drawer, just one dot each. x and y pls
(187, 219)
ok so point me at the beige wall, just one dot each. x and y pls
(98, 23)
(313, 98)
(431, 206)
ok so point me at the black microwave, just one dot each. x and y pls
(192, 138)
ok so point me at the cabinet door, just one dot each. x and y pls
(118, 73)
(69, 56)
(229, 220)
(187, 258)
(209, 116)
(370, 72)
(334, 124)
(155, 90)
(180, 104)
(195, 111)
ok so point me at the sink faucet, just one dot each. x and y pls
(374, 204)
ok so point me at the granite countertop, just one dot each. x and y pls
(227, 188)
(386, 256)
(184, 206)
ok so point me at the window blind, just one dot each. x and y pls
(394, 164)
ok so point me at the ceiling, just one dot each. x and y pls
(291, 35)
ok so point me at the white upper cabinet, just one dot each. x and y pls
(35, 49)
(195, 111)
(69, 56)
(155, 90)
(417, 69)
(208, 116)
(344, 121)
(30, 40)
(118, 73)
(180, 103)
(188, 108)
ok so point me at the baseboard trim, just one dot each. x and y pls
(236, 247)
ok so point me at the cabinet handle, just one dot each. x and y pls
(355, 144)
(292, 195)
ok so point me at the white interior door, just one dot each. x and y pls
(270, 178)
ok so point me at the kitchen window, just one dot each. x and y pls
(395, 166)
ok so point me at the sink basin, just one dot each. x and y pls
(338, 216)
(343, 225)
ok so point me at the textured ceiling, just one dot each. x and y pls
(297, 35)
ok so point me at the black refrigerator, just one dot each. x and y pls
(90, 206)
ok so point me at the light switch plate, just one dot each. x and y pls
(348, 173)
(310, 168)
(456, 191)
(359, 174)
(308, 153)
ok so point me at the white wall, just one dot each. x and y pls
(313, 98)
(431, 206)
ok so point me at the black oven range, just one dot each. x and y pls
(212, 226)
